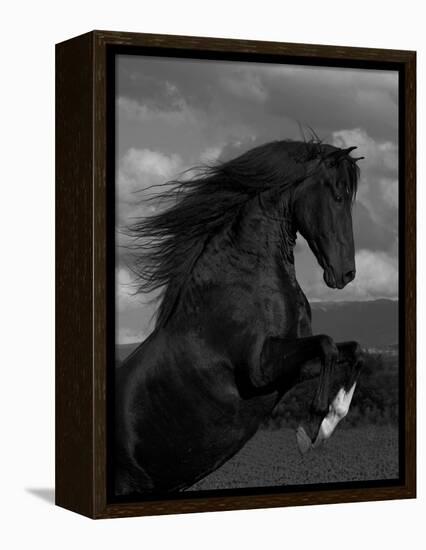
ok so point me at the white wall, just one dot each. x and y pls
(28, 33)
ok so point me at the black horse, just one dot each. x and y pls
(233, 330)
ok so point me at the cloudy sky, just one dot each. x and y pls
(175, 113)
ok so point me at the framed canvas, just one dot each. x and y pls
(235, 283)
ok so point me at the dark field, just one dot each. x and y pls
(271, 458)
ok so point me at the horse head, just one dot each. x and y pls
(323, 213)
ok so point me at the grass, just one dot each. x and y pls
(271, 458)
(364, 446)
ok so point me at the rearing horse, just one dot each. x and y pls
(233, 330)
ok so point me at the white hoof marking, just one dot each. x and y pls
(342, 401)
(337, 411)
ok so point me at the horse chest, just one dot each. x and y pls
(303, 322)
(286, 315)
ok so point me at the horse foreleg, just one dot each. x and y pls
(281, 363)
(349, 352)
(339, 408)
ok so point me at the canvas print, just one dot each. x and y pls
(256, 276)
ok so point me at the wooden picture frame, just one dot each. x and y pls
(83, 265)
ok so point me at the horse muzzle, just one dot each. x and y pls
(332, 281)
(329, 278)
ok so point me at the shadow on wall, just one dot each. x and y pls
(45, 493)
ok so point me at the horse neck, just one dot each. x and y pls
(261, 237)
(251, 246)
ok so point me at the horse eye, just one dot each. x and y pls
(339, 198)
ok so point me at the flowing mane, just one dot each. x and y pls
(168, 245)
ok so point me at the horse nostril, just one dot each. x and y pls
(349, 276)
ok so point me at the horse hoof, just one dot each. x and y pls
(303, 440)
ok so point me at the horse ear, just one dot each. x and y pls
(339, 153)
(348, 150)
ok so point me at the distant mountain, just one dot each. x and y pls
(124, 350)
(373, 324)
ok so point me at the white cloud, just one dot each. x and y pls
(135, 313)
(131, 109)
(129, 335)
(138, 170)
(247, 84)
(210, 154)
(377, 154)
(389, 189)
(378, 188)
(124, 289)
(376, 276)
